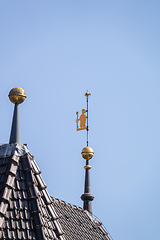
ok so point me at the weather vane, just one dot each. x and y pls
(87, 154)
(82, 119)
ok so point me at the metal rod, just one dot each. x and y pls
(87, 122)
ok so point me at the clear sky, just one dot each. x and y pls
(56, 50)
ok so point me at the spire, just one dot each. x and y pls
(87, 197)
(17, 95)
(87, 154)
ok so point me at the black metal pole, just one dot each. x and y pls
(87, 122)
(87, 197)
(15, 130)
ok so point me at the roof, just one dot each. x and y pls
(26, 209)
(77, 223)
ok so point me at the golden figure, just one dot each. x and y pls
(82, 120)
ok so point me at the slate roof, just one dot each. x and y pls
(26, 209)
(77, 223)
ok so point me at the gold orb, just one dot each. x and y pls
(17, 95)
(87, 153)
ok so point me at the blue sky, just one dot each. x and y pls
(56, 50)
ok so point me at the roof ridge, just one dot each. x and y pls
(33, 197)
(33, 187)
(68, 204)
(7, 150)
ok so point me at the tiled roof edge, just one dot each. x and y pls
(7, 150)
(30, 167)
(8, 186)
(67, 204)
(33, 197)
(107, 235)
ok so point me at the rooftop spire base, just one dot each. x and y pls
(87, 197)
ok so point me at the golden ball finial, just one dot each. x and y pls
(87, 153)
(17, 95)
